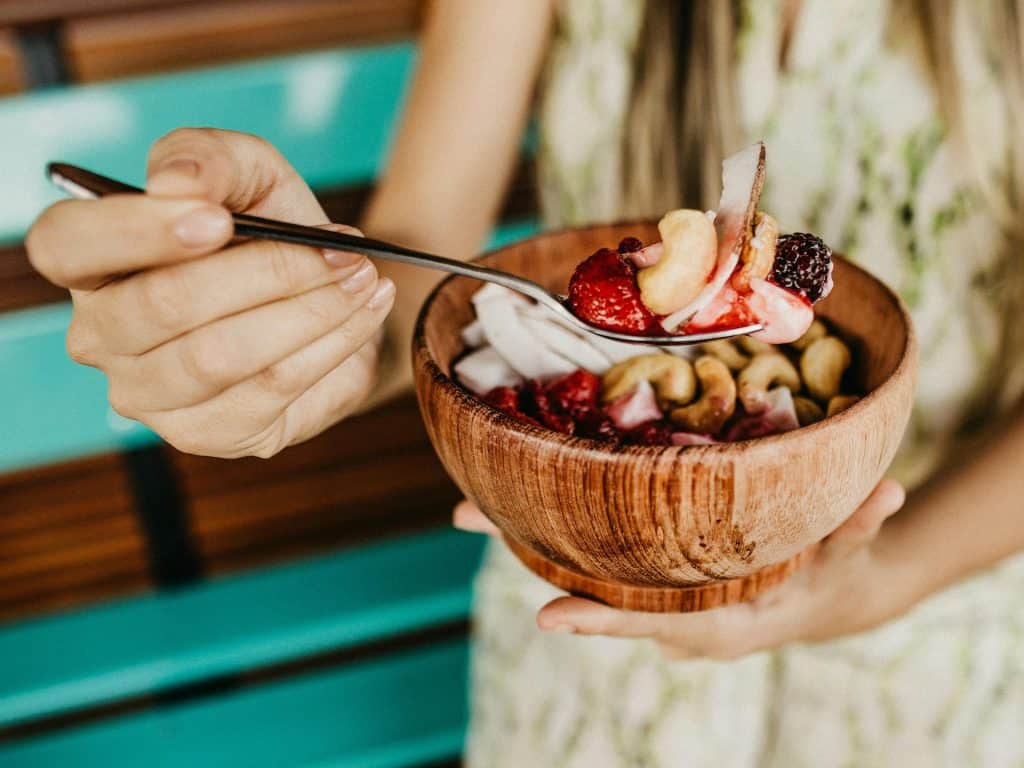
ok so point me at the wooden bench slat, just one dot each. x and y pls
(149, 644)
(183, 36)
(395, 712)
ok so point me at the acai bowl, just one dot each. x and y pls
(682, 526)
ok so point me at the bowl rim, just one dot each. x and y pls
(506, 423)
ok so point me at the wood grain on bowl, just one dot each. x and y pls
(656, 528)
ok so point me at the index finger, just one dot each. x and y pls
(82, 244)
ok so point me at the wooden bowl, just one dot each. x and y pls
(656, 528)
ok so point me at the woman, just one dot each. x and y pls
(890, 132)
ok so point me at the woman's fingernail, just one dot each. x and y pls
(383, 295)
(202, 226)
(361, 280)
(341, 258)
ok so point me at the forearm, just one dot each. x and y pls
(457, 146)
(969, 519)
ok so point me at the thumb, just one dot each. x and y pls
(240, 171)
(863, 525)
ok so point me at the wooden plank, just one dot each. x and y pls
(397, 712)
(12, 76)
(158, 642)
(35, 11)
(166, 39)
(68, 536)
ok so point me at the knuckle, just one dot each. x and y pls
(269, 442)
(81, 344)
(204, 359)
(163, 298)
(120, 400)
(282, 380)
(186, 441)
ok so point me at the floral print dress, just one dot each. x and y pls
(858, 153)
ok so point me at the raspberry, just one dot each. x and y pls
(536, 403)
(649, 433)
(603, 291)
(593, 422)
(503, 398)
(629, 245)
(803, 264)
(575, 392)
(506, 400)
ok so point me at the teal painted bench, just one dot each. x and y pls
(152, 675)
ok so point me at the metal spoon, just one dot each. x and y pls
(84, 184)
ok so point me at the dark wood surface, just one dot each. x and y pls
(37, 11)
(187, 35)
(629, 524)
(68, 535)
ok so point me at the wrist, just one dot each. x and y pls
(899, 572)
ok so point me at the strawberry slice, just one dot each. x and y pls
(603, 291)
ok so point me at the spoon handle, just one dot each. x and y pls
(80, 183)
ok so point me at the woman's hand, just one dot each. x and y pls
(223, 349)
(848, 588)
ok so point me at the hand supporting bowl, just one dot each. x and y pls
(665, 528)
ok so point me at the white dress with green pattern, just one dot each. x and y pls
(857, 154)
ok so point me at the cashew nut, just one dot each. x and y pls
(717, 401)
(726, 351)
(672, 378)
(764, 372)
(807, 411)
(754, 346)
(840, 403)
(759, 251)
(822, 365)
(812, 334)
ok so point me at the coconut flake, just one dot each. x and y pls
(506, 332)
(567, 344)
(473, 335)
(484, 369)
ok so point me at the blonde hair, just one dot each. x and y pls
(683, 116)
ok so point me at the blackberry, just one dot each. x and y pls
(629, 245)
(803, 263)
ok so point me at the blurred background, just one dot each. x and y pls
(164, 609)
